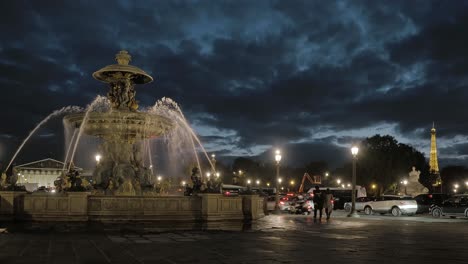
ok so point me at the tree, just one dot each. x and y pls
(385, 162)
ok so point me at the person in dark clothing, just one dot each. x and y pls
(318, 202)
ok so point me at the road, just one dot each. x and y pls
(273, 239)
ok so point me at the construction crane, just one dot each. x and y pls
(316, 180)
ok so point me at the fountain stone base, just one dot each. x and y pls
(86, 207)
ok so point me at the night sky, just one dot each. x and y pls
(309, 77)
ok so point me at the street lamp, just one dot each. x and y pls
(278, 180)
(353, 213)
(338, 181)
(268, 184)
(248, 181)
(405, 182)
(456, 185)
(257, 182)
(98, 158)
(326, 174)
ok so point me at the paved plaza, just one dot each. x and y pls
(273, 239)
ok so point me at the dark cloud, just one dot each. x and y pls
(250, 75)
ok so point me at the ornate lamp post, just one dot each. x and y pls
(405, 182)
(353, 213)
(277, 159)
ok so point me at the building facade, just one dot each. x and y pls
(39, 173)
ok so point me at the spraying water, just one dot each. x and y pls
(67, 109)
(98, 104)
(69, 148)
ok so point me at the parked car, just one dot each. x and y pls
(425, 201)
(360, 203)
(456, 205)
(394, 204)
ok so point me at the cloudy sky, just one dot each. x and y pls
(310, 77)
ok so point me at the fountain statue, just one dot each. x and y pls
(122, 128)
(3, 182)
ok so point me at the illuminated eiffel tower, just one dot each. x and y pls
(433, 163)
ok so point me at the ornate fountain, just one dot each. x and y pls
(123, 131)
(122, 128)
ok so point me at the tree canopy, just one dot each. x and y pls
(385, 162)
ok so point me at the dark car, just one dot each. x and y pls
(425, 201)
(456, 205)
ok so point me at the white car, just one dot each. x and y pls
(394, 204)
(360, 203)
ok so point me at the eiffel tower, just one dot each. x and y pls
(433, 163)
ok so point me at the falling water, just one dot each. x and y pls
(67, 109)
(169, 108)
(98, 104)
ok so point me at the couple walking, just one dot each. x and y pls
(322, 199)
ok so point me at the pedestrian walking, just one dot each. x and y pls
(328, 202)
(318, 202)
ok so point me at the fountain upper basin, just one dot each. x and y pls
(121, 125)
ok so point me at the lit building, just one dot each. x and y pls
(39, 173)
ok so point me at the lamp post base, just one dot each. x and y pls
(353, 214)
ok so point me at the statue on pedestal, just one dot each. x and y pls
(413, 187)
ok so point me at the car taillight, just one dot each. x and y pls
(430, 196)
(332, 201)
(281, 202)
(227, 193)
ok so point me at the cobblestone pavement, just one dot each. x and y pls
(273, 239)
